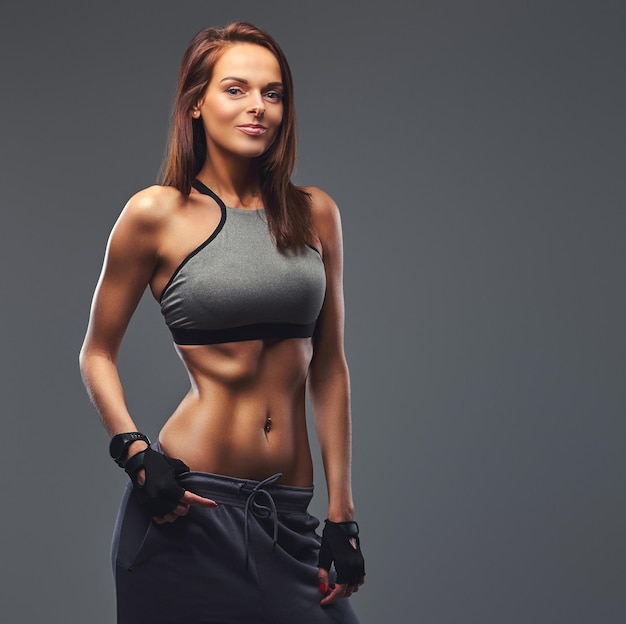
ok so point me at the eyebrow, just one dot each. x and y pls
(244, 81)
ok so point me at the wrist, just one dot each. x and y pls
(121, 443)
(134, 448)
(341, 514)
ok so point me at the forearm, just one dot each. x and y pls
(330, 399)
(102, 381)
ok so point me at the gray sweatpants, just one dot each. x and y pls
(252, 559)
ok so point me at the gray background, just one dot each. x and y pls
(477, 151)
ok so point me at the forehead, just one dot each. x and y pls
(248, 61)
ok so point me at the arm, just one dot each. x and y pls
(130, 261)
(328, 379)
(329, 393)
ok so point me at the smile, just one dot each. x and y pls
(253, 130)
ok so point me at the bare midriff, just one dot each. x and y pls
(244, 415)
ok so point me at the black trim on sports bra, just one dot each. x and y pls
(202, 188)
(184, 336)
(205, 190)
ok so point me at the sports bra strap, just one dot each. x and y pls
(205, 190)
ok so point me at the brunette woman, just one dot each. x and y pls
(247, 268)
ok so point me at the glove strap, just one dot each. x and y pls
(350, 528)
(134, 463)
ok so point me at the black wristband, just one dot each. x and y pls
(118, 447)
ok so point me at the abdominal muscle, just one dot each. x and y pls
(244, 415)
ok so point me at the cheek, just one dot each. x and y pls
(277, 119)
(276, 125)
(218, 122)
(280, 112)
(222, 114)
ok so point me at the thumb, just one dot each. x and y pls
(193, 499)
(324, 578)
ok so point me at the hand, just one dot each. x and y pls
(154, 476)
(186, 501)
(340, 543)
(335, 591)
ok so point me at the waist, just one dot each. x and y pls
(234, 491)
(252, 442)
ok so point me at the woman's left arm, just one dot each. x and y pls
(329, 380)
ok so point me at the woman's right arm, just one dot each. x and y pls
(130, 260)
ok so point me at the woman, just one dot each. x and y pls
(247, 268)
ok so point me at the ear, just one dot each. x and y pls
(195, 110)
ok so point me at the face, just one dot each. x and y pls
(242, 107)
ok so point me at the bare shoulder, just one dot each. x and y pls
(323, 206)
(325, 218)
(324, 214)
(151, 207)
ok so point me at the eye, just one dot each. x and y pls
(274, 95)
(234, 90)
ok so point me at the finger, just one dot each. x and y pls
(169, 517)
(181, 510)
(193, 499)
(177, 512)
(323, 577)
(336, 593)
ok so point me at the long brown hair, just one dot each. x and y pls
(287, 206)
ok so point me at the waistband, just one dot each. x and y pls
(237, 492)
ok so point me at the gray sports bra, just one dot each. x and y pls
(238, 286)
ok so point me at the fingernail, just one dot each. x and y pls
(323, 588)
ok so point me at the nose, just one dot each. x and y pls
(257, 105)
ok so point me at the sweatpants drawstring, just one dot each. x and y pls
(263, 511)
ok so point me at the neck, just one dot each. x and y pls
(234, 178)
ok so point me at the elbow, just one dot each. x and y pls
(85, 355)
(84, 362)
(90, 358)
(323, 368)
(324, 383)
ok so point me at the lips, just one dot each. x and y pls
(253, 129)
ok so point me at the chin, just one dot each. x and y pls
(254, 152)
(245, 148)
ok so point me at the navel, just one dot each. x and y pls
(268, 425)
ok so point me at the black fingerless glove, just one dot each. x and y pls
(336, 547)
(161, 491)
